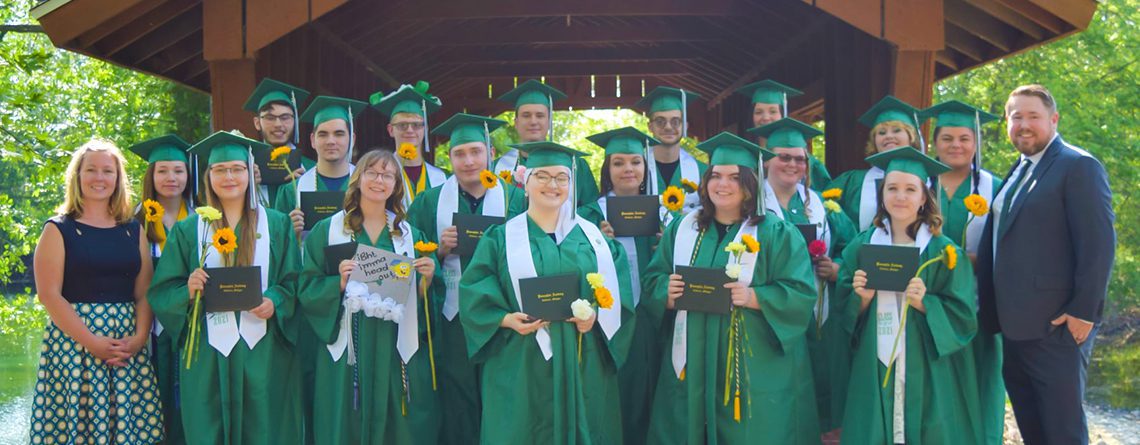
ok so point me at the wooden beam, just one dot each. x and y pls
(980, 24)
(465, 9)
(966, 43)
(946, 59)
(557, 69)
(131, 32)
(223, 31)
(93, 35)
(179, 53)
(231, 82)
(545, 35)
(1010, 17)
(864, 15)
(269, 20)
(914, 25)
(69, 21)
(1075, 12)
(567, 54)
(787, 47)
(912, 77)
(185, 25)
(355, 54)
(1039, 16)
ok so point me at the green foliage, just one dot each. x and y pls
(21, 315)
(1094, 77)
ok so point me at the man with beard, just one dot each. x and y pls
(669, 164)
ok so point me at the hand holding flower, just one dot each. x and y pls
(425, 267)
(915, 291)
(742, 295)
(197, 282)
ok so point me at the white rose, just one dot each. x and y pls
(355, 289)
(582, 309)
(372, 308)
(733, 271)
(397, 314)
(353, 304)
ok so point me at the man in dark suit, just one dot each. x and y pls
(1043, 269)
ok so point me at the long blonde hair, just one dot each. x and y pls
(247, 236)
(354, 219)
(120, 202)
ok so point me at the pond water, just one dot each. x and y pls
(19, 355)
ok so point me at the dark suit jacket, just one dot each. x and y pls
(1057, 253)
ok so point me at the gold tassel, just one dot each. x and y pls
(736, 407)
(682, 378)
(403, 407)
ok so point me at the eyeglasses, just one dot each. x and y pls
(405, 126)
(229, 171)
(661, 122)
(784, 157)
(371, 175)
(544, 179)
(284, 118)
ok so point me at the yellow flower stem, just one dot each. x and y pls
(965, 229)
(579, 347)
(731, 348)
(902, 322)
(427, 316)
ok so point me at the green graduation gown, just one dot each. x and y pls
(166, 361)
(937, 403)
(830, 347)
(458, 376)
(252, 396)
(375, 413)
(985, 352)
(851, 183)
(777, 400)
(527, 399)
(820, 177)
(638, 376)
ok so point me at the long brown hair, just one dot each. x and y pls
(247, 235)
(150, 193)
(748, 210)
(120, 202)
(354, 219)
(929, 213)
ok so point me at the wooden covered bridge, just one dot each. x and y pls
(845, 54)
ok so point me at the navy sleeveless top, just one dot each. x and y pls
(100, 264)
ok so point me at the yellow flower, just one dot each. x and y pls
(407, 151)
(225, 241)
(488, 179)
(154, 211)
(402, 270)
(283, 150)
(596, 280)
(735, 248)
(832, 193)
(977, 205)
(427, 248)
(750, 243)
(689, 186)
(951, 257)
(673, 198)
(832, 206)
(506, 175)
(604, 298)
(208, 213)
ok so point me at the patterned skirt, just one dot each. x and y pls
(81, 400)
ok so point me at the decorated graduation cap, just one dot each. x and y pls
(729, 149)
(270, 91)
(225, 147)
(162, 148)
(953, 113)
(533, 92)
(669, 99)
(327, 108)
(463, 128)
(408, 99)
(768, 91)
(909, 160)
(786, 133)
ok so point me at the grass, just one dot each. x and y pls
(1113, 377)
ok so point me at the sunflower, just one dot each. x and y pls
(506, 175)
(427, 248)
(688, 185)
(154, 211)
(951, 257)
(488, 179)
(402, 270)
(750, 243)
(832, 193)
(977, 205)
(225, 241)
(673, 198)
(208, 213)
(832, 206)
(604, 298)
(407, 151)
(283, 150)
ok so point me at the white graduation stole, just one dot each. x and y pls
(868, 200)
(435, 176)
(689, 170)
(888, 311)
(977, 225)
(508, 161)
(683, 247)
(494, 204)
(817, 215)
(630, 246)
(308, 181)
(407, 334)
(520, 265)
(222, 328)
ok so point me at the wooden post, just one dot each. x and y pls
(231, 83)
(857, 75)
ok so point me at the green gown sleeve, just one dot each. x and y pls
(843, 231)
(949, 300)
(319, 293)
(284, 271)
(619, 345)
(820, 177)
(592, 212)
(848, 301)
(482, 297)
(787, 297)
(587, 187)
(168, 295)
(286, 198)
(851, 183)
(655, 276)
(421, 213)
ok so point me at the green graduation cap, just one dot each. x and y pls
(769, 92)
(909, 160)
(269, 91)
(162, 148)
(625, 140)
(953, 113)
(547, 154)
(407, 99)
(729, 149)
(228, 146)
(888, 109)
(666, 99)
(327, 108)
(463, 128)
(786, 133)
(533, 92)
